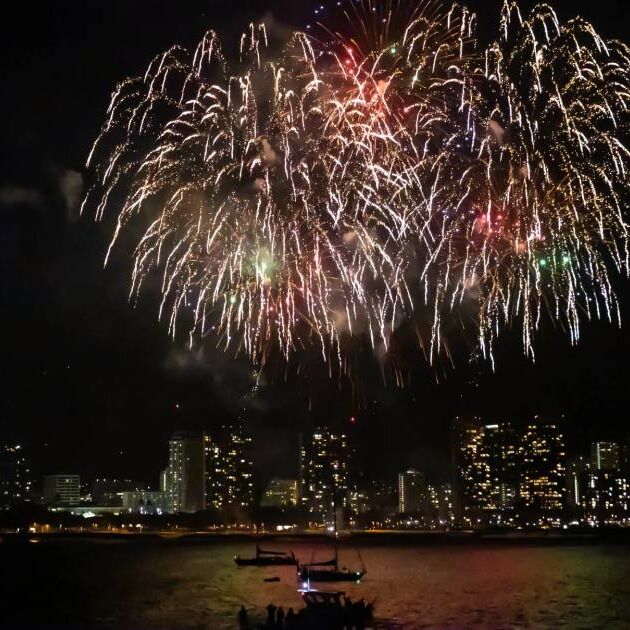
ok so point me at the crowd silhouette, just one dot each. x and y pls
(348, 615)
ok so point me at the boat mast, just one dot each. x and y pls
(336, 534)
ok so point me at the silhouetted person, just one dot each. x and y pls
(369, 611)
(347, 613)
(360, 618)
(242, 618)
(291, 619)
(280, 617)
(271, 616)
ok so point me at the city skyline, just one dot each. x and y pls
(578, 445)
(501, 476)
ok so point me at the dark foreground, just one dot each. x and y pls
(114, 583)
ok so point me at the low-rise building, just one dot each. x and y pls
(63, 490)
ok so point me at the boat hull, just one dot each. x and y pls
(265, 562)
(322, 575)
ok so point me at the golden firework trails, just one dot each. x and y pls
(375, 171)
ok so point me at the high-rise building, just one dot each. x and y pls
(446, 505)
(542, 483)
(607, 499)
(412, 492)
(578, 469)
(229, 467)
(325, 462)
(239, 466)
(472, 474)
(485, 463)
(598, 490)
(502, 448)
(358, 501)
(215, 473)
(62, 490)
(184, 478)
(15, 476)
(442, 507)
(605, 456)
(280, 493)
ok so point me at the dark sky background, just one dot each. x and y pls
(95, 386)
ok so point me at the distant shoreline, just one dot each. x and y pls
(367, 538)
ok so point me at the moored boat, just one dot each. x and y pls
(328, 571)
(266, 558)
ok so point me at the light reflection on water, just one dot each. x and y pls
(198, 586)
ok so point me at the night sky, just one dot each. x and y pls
(96, 386)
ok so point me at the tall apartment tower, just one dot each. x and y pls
(606, 496)
(184, 478)
(485, 467)
(15, 477)
(324, 466)
(543, 477)
(229, 475)
(412, 492)
(576, 479)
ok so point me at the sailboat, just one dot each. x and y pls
(329, 571)
(266, 558)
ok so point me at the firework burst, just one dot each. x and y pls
(373, 171)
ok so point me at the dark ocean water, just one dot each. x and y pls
(160, 585)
